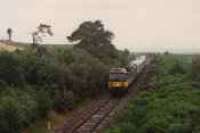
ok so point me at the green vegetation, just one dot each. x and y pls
(38, 79)
(31, 85)
(172, 108)
(196, 71)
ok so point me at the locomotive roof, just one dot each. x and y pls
(118, 70)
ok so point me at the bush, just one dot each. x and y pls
(10, 70)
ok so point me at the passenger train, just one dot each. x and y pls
(121, 78)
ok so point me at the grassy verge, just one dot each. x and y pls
(56, 119)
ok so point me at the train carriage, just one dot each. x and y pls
(121, 78)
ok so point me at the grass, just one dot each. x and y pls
(56, 119)
(8, 47)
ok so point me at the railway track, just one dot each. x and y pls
(102, 111)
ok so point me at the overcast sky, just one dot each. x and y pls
(139, 25)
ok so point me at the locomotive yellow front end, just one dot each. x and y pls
(117, 84)
(118, 80)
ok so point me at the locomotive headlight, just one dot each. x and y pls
(125, 84)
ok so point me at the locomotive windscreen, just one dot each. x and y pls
(118, 76)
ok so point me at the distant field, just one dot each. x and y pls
(12, 46)
(9, 47)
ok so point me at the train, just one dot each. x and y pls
(120, 78)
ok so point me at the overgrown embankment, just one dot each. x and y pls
(173, 107)
(31, 84)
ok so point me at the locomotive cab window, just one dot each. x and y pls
(118, 76)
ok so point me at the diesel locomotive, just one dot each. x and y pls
(121, 78)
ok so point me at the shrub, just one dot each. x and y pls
(10, 70)
(20, 107)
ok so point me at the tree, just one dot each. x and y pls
(93, 37)
(9, 32)
(42, 30)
